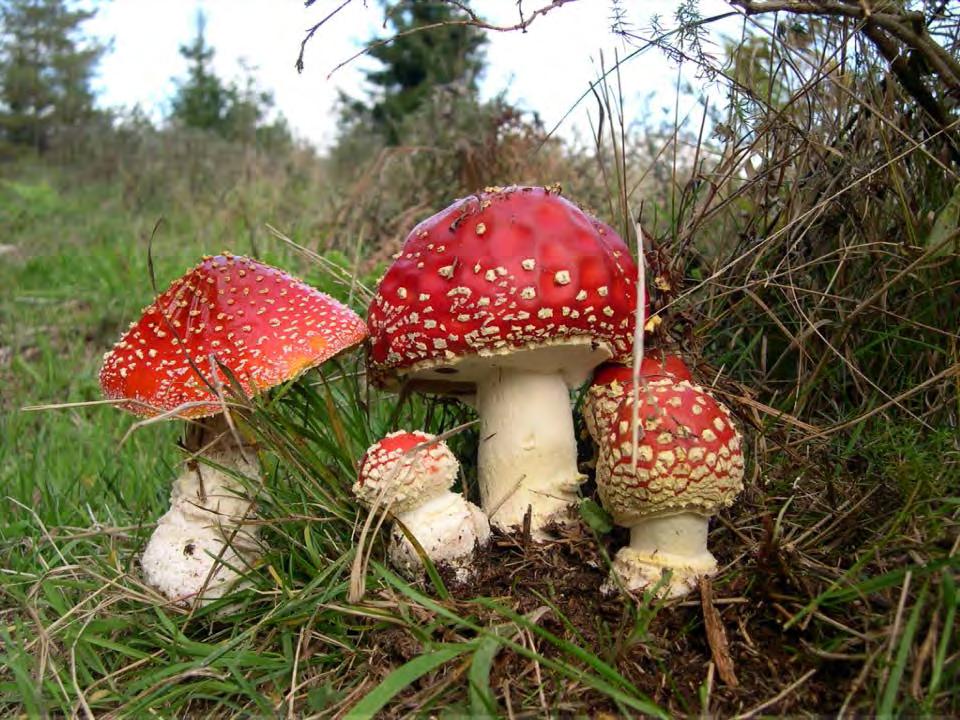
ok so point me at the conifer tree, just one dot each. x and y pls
(415, 62)
(46, 65)
(202, 100)
(234, 111)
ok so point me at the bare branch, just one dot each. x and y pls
(900, 25)
(471, 19)
(896, 36)
(313, 30)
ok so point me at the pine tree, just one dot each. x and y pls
(46, 65)
(414, 63)
(201, 101)
(234, 111)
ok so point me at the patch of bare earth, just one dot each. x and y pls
(661, 649)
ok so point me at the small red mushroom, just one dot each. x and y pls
(411, 473)
(512, 295)
(688, 465)
(264, 327)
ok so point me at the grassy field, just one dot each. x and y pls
(805, 258)
(838, 588)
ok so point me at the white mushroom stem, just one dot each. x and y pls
(206, 538)
(447, 527)
(528, 452)
(675, 542)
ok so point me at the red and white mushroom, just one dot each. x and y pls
(616, 378)
(509, 298)
(688, 465)
(411, 473)
(264, 327)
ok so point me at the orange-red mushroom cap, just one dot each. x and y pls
(256, 320)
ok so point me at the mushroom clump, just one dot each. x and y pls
(507, 299)
(411, 473)
(228, 319)
(688, 465)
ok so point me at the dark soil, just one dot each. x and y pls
(662, 649)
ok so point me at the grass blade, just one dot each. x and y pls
(936, 674)
(890, 692)
(482, 701)
(400, 678)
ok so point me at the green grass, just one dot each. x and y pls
(817, 287)
(849, 573)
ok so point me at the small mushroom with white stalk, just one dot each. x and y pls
(264, 327)
(410, 475)
(688, 465)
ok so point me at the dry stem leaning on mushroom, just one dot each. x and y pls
(507, 300)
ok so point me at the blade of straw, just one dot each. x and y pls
(638, 329)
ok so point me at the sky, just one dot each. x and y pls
(545, 69)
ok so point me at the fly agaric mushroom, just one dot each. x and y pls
(264, 327)
(509, 297)
(654, 366)
(411, 473)
(689, 464)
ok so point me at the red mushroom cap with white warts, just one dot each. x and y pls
(265, 326)
(689, 455)
(612, 378)
(506, 270)
(655, 366)
(652, 367)
(405, 469)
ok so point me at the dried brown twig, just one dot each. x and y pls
(900, 37)
(471, 19)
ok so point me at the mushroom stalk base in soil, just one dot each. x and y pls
(528, 452)
(206, 538)
(447, 527)
(676, 542)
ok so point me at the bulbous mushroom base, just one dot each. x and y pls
(207, 494)
(448, 528)
(638, 571)
(672, 542)
(187, 559)
(205, 540)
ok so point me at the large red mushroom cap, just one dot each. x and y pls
(265, 326)
(505, 270)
